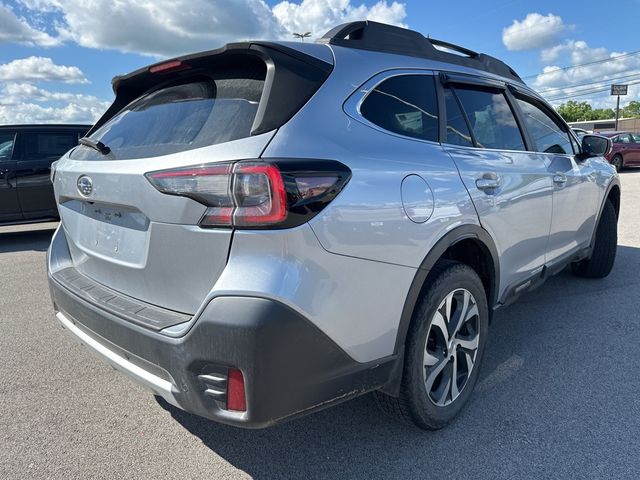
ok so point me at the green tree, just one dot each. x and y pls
(602, 114)
(632, 109)
(573, 111)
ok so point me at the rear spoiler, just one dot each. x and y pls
(292, 77)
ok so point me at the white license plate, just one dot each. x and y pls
(110, 232)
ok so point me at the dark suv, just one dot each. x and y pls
(26, 155)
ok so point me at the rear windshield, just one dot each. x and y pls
(202, 112)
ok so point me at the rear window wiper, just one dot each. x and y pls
(97, 146)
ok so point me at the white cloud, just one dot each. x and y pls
(173, 27)
(560, 83)
(39, 69)
(17, 30)
(26, 103)
(533, 32)
(319, 16)
(163, 27)
(158, 28)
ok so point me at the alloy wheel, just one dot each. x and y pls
(451, 347)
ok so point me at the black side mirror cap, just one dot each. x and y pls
(595, 146)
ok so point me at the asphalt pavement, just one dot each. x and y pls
(557, 397)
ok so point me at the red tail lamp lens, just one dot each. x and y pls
(236, 397)
(259, 194)
(278, 193)
(246, 194)
(208, 185)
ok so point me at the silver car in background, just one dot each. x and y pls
(267, 229)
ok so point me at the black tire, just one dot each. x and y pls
(617, 162)
(604, 250)
(414, 405)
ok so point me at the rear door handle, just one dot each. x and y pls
(559, 179)
(489, 181)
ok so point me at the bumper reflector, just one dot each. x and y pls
(236, 399)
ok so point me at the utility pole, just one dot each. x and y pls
(618, 90)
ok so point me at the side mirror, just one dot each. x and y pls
(595, 146)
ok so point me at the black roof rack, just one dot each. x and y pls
(380, 37)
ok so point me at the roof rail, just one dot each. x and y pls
(380, 37)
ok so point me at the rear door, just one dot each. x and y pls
(624, 142)
(38, 149)
(9, 206)
(510, 187)
(634, 149)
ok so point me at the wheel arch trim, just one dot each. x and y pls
(458, 234)
(613, 184)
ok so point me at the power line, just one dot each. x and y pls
(542, 92)
(582, 93)
(595, 62)
(581, 90)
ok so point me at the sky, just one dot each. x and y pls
(57, 57)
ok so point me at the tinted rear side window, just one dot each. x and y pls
(180, 117)
(406, 105)
(6, 145)
(457, 129)
(491, 119)
(47, 144)
(547, 135)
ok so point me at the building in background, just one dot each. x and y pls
(624, 124)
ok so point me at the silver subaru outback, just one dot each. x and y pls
(260, 231)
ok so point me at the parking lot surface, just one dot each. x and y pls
(557, 397)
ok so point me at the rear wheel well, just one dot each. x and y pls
(614, 198)
(467, 244)
(476, 255)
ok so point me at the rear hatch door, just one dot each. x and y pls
(212, 107)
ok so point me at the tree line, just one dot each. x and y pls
(574, 111)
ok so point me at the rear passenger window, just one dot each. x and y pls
(406, 105)
(624, 138)
(548, 136)
(491, 118)
(457, 129)
(47, 144)
(6, 145)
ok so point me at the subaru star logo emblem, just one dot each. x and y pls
(85, 185)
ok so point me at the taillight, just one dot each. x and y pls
(256, 194)
(259, 194)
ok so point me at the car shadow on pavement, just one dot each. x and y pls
(552, 394)
(34, 240)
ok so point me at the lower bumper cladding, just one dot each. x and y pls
(249, 362)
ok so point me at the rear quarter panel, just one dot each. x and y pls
(367, 220)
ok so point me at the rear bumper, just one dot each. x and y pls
(290, 367)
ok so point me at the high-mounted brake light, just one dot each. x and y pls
(172, 66)
(256, 194)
